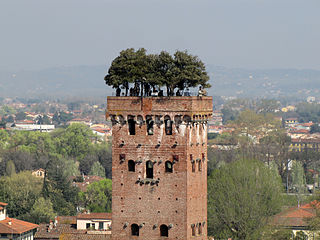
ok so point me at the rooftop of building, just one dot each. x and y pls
(15, 226)
(183, 104)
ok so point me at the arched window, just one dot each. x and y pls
(132, 125)
(149, 169)
(134, 230)
(164, 230)
(131, 166)
(199, 229)
(168, 125)
(169, 167)
(199, 166)
(149, 122)
(193, 163)
(193, 229)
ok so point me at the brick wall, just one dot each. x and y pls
(177, 199)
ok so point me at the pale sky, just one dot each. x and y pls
(38, 34)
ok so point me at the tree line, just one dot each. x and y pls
(149, 72)
(63, 153)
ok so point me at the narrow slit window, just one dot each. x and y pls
(132, 125)
(149, 169)
(193, 163)
(193, 230)
(150, 124)
(168, 125)
(200, 229)
(169, 167)
(164, 230)
(199, 166)
(122, 157)
(131, 166)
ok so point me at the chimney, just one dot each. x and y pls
(10, 222)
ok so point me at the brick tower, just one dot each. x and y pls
(159, 167)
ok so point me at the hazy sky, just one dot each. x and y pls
(39, 34)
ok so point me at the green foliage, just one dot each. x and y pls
(57, 187)
(301, 236)
(298, 177)
(76, 141)
(241, 196)
(308, 112)
(20, 192)
(21, 116)
(6, 110)
(212, 135)
(43, 119)
(41, 212)
(98, 196)
(71, 168)
(10, 168)
(4, 137)
(315, 128)
(97, 170)
(178, 71)
(61, 118)
(282, 234)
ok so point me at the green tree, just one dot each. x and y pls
(178, 71)
(97, 170)
(4, 137)
(76, 141)
(21, 116)
(57, 187)
(41, 212)
(20, 192)
(130, 66)
(315, 128)
(10, 168)
(241, 196)
(298, 180)
(98, 196)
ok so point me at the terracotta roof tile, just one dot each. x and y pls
(76, 236)
(17, 226)
(296, 216)
(3, 204)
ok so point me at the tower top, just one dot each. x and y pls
(195, 107)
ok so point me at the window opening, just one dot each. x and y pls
(134, 230)
(200, 166)
(168, 125)
(150, 123)
(149, 169)
(193, 164)
(131, 166)
(122, 157)
(101, 225)
(87, 225)
(169, 167)
(203, 157)
(193, 229)
(200, 229)
(132, 125)
(164, 230)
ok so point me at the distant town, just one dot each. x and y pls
(284, 134)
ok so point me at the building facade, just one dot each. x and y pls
(14, 229)
(159, 167)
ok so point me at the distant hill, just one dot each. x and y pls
(87, 81)
(269, 83)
